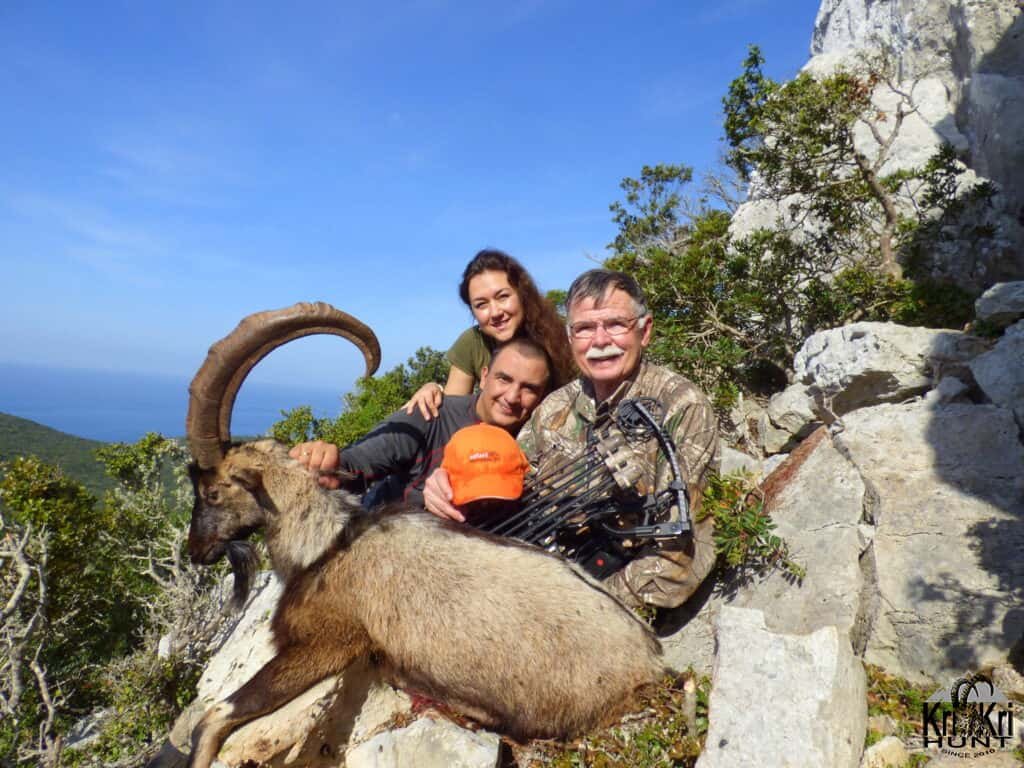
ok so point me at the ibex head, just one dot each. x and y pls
(226, 479)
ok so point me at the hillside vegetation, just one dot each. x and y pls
(76, 456)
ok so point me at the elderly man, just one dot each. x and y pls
(405, 448)
(609, 327)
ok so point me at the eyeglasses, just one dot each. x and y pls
(615, 326)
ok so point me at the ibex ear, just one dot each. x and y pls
(248, 478)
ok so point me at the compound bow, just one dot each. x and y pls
(592, 508)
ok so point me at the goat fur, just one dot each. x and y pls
(511, 635)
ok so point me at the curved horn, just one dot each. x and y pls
(213, 390)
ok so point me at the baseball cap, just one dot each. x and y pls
(484, 462)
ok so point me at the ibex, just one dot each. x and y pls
(511, 635)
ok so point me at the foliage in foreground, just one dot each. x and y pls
(901, 701)
(745, 538)
(669, 732)
(90, 587)
(373, 400)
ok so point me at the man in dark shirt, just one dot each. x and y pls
(405, 448)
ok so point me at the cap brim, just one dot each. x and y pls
(479, 488)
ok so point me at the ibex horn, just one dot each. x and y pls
(213, 390)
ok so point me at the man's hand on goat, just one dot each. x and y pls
(437, 496)
(320, 458)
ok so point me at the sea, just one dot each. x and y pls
(117, 406)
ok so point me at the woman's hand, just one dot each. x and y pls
(428, 399)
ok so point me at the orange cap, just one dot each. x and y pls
(484, 462)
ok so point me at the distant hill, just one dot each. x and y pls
(74, 455)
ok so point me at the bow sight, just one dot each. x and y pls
(596, 508)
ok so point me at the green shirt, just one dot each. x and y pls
(471, 352)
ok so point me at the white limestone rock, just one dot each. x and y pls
(868, 363)
(732, 462)
(787, 420)
(783, 700)
(887, 753)
(947, 493)
(1002, 304)
(818, 514)
(427, 744)
(1000, 372)
(772, 463)
(949, 390)
(962, 63)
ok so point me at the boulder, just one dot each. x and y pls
(869, 363)
(773, 462)
(947, 496)
(1000, 372)
(247, 648)
(427, 744)
(1002, 304)
(783, 700)
(972, 49)
(816, 499)
(739, 424)
(731, 461)
(888, 753)
(787, 420)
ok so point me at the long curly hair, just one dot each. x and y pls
(540, 320)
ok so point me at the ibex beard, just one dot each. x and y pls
(510, 635)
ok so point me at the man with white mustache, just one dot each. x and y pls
(609, 327)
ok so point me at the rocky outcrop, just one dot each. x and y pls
(888, 753)
(949, 501)
(906, 511)
(781, 699)
(789, 418)
(967, 59)
(426, 744)
(1000, 372)
(961, 71)
(1001, 305)
(869, 363)
(818, 513)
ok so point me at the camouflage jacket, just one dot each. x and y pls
(559, 428)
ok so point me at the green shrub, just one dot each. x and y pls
(744, 532)
(373, 400)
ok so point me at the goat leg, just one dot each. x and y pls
(294, 670)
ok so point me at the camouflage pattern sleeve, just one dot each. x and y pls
(553, 426)
(668, 577)
(527, 439)
(694, 429)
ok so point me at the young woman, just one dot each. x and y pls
(505, 302)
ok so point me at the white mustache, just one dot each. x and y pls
(602, 353)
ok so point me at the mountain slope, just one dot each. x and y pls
(74, 455)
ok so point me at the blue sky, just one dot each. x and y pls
(171, 167)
